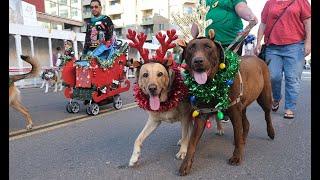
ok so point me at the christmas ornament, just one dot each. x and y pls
(222, 66)
(208, 124)
(195, 113)
(220, 115)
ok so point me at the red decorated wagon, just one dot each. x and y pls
(97, 78)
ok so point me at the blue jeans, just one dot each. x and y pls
(287, 59)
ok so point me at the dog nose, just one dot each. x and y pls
(198, 60)
(152, 88)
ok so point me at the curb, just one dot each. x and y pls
(68, 120)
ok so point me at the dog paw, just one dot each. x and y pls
(185, 167)
(235, 161)
(29, 126)
(133, 161)
(220, 133)
(181, 155)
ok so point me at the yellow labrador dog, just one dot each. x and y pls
(158, 84)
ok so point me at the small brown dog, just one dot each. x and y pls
(203, 56)
(14, 93)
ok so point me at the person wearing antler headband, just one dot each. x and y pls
(99, 29)
(226, 18)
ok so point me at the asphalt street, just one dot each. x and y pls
(100, 148)
(49, 107)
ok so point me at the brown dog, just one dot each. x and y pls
(14, 93)
(203, 56)
(156, 82)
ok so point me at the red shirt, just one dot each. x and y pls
(289, 28)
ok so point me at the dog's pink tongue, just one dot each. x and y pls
(201, 78)
(154, 102)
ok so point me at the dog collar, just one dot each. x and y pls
(178, 92)
(216, 89)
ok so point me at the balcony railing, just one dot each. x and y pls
(86, 15)
(118, 22)
(115, 9)
(147, 20)
(191, 1)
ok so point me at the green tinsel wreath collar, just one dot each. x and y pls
(216, 89)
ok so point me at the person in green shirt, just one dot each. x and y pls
(226, 18)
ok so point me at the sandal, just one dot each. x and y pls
(275, 106)
(288, 114)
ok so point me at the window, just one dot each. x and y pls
(52, 4)
(161, 27)
(116, 16)
(147, 13)
(63, 13)
(62, 2)
(148, 29)
(74, 12)
(74, 1)
(114, 2)
(187, 10)
(118, 32)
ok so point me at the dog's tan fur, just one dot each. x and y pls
(14, 93)
(180, 113)
(256, 86)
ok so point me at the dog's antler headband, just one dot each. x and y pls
(138, 43)
(160, 52)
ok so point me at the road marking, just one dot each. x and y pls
(306, 72)
(65, 122)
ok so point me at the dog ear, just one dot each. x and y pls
(182, 43)
(171, 75)
(137, 64)
(211, 34)
(194, 30)
(220, 48)
(169, 62)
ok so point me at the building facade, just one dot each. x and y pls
(38, 27)
(148, 16)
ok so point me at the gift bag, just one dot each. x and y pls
(83, 77)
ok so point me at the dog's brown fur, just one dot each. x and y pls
(256, 86)
(14, 93)
(148, 75)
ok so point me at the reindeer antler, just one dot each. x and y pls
(138, 43)
(165, 45)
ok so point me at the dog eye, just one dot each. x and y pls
(145, 75)
(207, 46)
(160, 74)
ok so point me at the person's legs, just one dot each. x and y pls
(274, 56)
(293, 66)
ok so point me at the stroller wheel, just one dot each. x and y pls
(75, 107)
(117, 102)
(88, 110)
(93, 109)
(68, 108)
